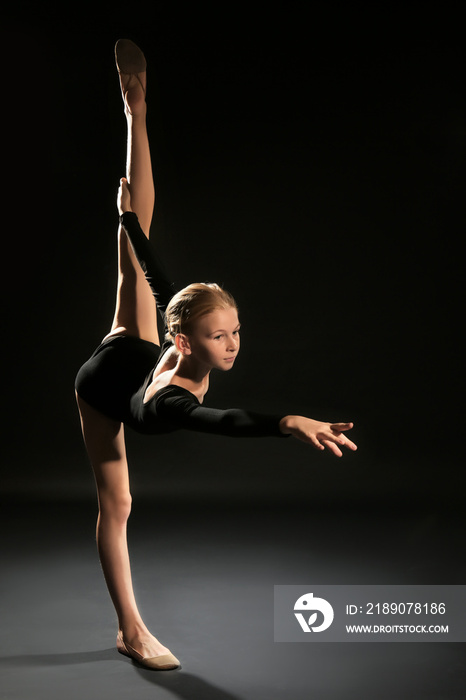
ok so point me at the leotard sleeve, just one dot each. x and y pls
(162, 289)
(181, 409)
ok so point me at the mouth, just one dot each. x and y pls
(230, 359)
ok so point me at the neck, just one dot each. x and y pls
(192, 375)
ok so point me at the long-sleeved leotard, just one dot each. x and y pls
(114, 380)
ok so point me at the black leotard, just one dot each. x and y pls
(115, 378)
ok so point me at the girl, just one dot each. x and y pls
(131, 380)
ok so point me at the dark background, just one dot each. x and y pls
(313, 164)
(311, 159)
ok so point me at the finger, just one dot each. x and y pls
(351, 445)
(315, 442)
(341, 427)
(347, 443)
(332, 447)
(332, 436)
(343, 440)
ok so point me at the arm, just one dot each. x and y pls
(176, 405)
(179, 407)
(234, 422)
(162, 289)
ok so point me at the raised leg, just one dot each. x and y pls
(135, 312)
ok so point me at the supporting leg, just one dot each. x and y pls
(105, 444)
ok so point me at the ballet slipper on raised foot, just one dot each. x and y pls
(131, 66)
(163, 662)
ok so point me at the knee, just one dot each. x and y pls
(115, 507)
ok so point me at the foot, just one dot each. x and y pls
(131, 66)
(146, 650)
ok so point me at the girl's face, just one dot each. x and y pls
(214, 340)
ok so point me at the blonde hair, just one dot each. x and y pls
(191, 303)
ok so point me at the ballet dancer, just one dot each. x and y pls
(158, 386)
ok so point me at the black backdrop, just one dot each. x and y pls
(311, 164)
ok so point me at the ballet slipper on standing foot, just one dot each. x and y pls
(131, 66)
(163, 662)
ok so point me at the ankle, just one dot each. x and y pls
(134, 98)
(133, 628)
(135, 116)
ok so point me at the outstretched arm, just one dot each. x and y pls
(179, 407)
(318, 434)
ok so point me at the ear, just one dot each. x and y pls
(182, 344)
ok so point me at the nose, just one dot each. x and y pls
(233, 343)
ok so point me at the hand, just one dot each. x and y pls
(124, 197)
(319, 435)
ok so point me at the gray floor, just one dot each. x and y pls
(204, 579)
